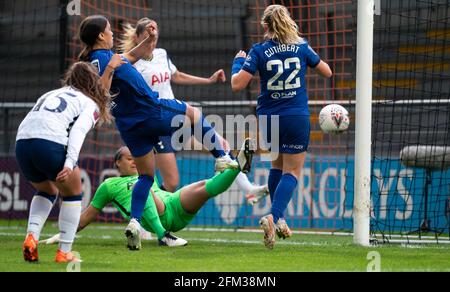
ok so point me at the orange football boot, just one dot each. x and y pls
(30, 249)
(62, 257)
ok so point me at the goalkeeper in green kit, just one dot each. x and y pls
(164, 212)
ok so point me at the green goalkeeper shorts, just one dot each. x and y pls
(174, 217)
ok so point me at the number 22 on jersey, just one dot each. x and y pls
(292, 82)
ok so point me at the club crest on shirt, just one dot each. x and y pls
(96, 63)
(96, 116)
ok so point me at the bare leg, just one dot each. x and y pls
(194, 196)
(293, 163)
(46, 187)
(167, 165)
(72, 186)
(146, 164)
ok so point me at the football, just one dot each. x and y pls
(334, 119)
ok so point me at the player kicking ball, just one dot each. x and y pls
(174, 210)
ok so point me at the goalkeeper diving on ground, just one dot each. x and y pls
(174, 210)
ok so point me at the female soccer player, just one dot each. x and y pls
(140, 116)
(281, 61)
(175, 210)
(49, 141)
(158, 71)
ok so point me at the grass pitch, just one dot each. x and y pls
(102, 248)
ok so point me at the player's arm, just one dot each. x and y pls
(324, 69)
(313, 60)
(107, 77)
(139, 51)
(86, 218)
(187, 79)
(240, 78)
(101, 198)
(85, 122)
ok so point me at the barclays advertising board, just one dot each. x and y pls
(323, 199)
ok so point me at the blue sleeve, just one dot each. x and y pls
(251, 63)
(312, 59)
(100, 60)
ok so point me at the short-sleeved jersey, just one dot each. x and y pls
(158, 73)
(63, 116)
(135, 101)
(282, 70)
(118, 190)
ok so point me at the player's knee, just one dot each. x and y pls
(171, 185)
(193, 114)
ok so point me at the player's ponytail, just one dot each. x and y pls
(131, 34)
(84, 77)
(91, 27)
(281, 27)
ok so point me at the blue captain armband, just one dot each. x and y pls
(238, 63)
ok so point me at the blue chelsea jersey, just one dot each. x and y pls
(282, 70)
(134, 101)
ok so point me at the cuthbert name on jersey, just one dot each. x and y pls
(281, 49)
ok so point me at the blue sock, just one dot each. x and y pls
(274, 179)
(140, 195)
(211, 138)
(283, 195)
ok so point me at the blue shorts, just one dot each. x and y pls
(293, 134)
(144, 136)
(164, 146)
(40, 160)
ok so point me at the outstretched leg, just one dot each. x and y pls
(194, 196)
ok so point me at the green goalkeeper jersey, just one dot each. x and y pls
(117, 190)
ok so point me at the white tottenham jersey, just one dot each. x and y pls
(158, 73)
(63, 116)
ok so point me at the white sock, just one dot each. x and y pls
(39, 210)
(69, 217)
(244, 184)
(247, 187)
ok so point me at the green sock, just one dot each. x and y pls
(152, 218)
(221, 182)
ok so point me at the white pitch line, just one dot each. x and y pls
(395, 238)
(235, 241)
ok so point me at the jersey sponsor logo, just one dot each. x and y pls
(161, 78)
(96, 63)
(278, 95)
(292, 146)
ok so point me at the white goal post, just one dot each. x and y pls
(363, 139)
